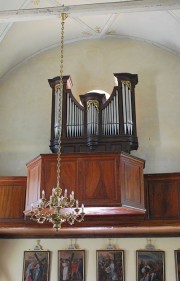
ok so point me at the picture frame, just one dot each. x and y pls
(110, 265)
(177, 264)
(71, 265)
(150, 264)
(36, 265)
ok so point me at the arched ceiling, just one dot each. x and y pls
(27, 29)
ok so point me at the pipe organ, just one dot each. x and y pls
(98, 123)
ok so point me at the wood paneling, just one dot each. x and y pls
(132, 181)
(96, 179)
(162, 193)
(99, 180)
(12, 197)
(163, 196)
(34, 179)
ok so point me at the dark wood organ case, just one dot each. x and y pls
(97, 124)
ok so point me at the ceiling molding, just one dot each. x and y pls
(91, 9)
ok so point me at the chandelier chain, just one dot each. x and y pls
(63, 17)
(58, 209)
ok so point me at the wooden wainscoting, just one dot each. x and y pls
(162, 196)
(12, 197)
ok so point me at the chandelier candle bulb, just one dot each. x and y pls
(72, 195)
(40, 203)
(65, 193)
(43, 194)
(82, 206)
(32, 205)
(76, 204)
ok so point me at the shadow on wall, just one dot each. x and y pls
(9, 260)
(4, 275)
(147, 118)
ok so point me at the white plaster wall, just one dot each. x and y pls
(25, 100)
(11, 258)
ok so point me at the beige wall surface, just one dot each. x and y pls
(12, 251)
(25, 100)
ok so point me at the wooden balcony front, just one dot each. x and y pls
(120, 200)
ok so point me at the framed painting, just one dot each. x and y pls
(177, 264)
(36, 265)
(110, 265)
(150, 265)
(71, 265)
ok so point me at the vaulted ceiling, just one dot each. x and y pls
(28, 28)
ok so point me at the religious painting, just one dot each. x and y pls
(110, 265)
(71, 265)
(177, 264)
(36, 265)
(150, 265)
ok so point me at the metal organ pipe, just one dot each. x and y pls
(117, 111)
(56, 125)
(127, 107)
(110, 117)
(75, 118)
(92, 118)
(130, 112)
(124, 108)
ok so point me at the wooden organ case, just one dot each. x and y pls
(97, 137)
(97, 124)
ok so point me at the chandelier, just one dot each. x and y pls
(59, 208)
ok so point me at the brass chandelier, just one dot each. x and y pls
(59, 208)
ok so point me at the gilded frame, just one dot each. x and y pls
(71, 265)
(150, 263)
(177, 264)
(36, 265)
(110, 265)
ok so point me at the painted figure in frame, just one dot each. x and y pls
(150, 266)
(36, 266)
(71, 265)
(110, 266)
